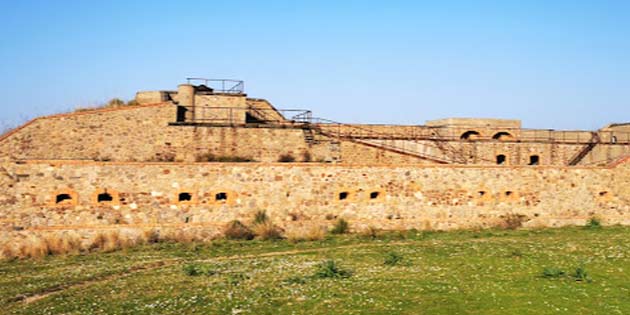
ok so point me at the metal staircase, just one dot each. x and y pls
(586, 149)
(389, 141)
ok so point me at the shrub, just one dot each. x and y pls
(340, 227)
(267, 231)
(393, 259)
(552, 272)
(330, 269)
(593, 223)
(236, 230)
(286, 158)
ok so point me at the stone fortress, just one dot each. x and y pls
(206, 154)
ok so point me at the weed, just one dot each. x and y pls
(341, 227)
(516, 253)
(236, 230)
(294, 280)
(393, 259)
(330, 269)
(235, 279)
(581, 274)
(199, 269)
(261, 217)
(593, 223)
(552, 272)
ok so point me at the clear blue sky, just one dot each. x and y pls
(553, 64)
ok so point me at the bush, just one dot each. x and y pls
(551, 272)
(236, 230)
(393, 259)
(330, 269)
(593, 223)
(341, 227)
(286, 158)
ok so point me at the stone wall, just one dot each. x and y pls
(65, 195)
(147, 133)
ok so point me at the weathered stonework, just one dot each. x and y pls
(423, 197)
(134, 167)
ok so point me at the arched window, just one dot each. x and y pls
(502, 135)
(470, 135)
(61, 198)
(64, 197)
(501, 159)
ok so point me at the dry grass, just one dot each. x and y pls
(236, 230)
(37, 245)
(267, 231)
(302, 233)
(371, 232)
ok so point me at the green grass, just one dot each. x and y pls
(487, 272)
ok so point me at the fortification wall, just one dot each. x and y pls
(134, 133)
(142, 133)
(412, 196)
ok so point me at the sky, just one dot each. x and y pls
(553, 64)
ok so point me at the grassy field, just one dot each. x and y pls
(552, 271)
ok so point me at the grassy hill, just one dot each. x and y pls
(551, 271)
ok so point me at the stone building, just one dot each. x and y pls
(207, 153)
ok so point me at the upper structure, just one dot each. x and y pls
(214, 120)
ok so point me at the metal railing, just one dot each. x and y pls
(246, 115)
(421, 141)
(226, 86)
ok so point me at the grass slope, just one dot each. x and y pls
(488, 272)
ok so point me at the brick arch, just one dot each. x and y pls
(502, 136)
(470, 135)
(64, 197)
